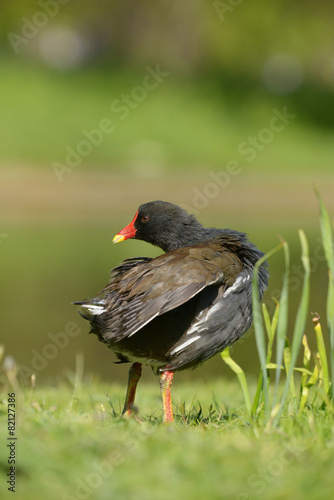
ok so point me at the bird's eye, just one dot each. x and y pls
(144, 218)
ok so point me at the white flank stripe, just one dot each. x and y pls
(235, 285)
(185, 344)
(94, 309)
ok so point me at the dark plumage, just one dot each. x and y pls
(179, 309)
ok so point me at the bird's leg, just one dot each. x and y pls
(134, 376)
(165, 383)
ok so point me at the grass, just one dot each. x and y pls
(72, 444)
(318, 376)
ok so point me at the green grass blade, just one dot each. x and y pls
(225, 355)
(273, 366)
(314, 377)
(303, 398)
(304, 371)
(330, 320)
(306, 364)
(282, 325)
(322, 356)
(271, 329)
(300, 319)
(258, 322)
(275, 320)
(256, 400)
(287, 364)
(307, 353)
(326, 228)
(328, 244)
(330, 301)
(267, 323)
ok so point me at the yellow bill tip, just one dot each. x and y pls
(118, 238)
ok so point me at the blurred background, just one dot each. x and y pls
(223, 107)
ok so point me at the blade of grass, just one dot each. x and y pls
(287, 364)
(306, 363)
(326, 233)
(272, 366)
(258, 322)
(267, 322)
(328, 244)
(256, 400)
(330, 321)
(271, 328)
(282, 320)
(240, 374)
(306, 387)
(322, 354)
(275, 320)
(300, 322)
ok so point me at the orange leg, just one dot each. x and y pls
(165, 383)
(134, 376)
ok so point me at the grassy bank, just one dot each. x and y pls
(72, 444)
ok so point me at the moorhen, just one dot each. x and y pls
(175, 311)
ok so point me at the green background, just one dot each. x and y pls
(203, 137)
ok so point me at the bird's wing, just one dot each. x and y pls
(128, 264)
(137, 296)
(95, 306)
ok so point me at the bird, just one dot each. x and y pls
(175, 311)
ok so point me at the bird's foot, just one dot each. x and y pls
(132, 412)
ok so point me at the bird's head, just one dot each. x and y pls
(162, 224)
